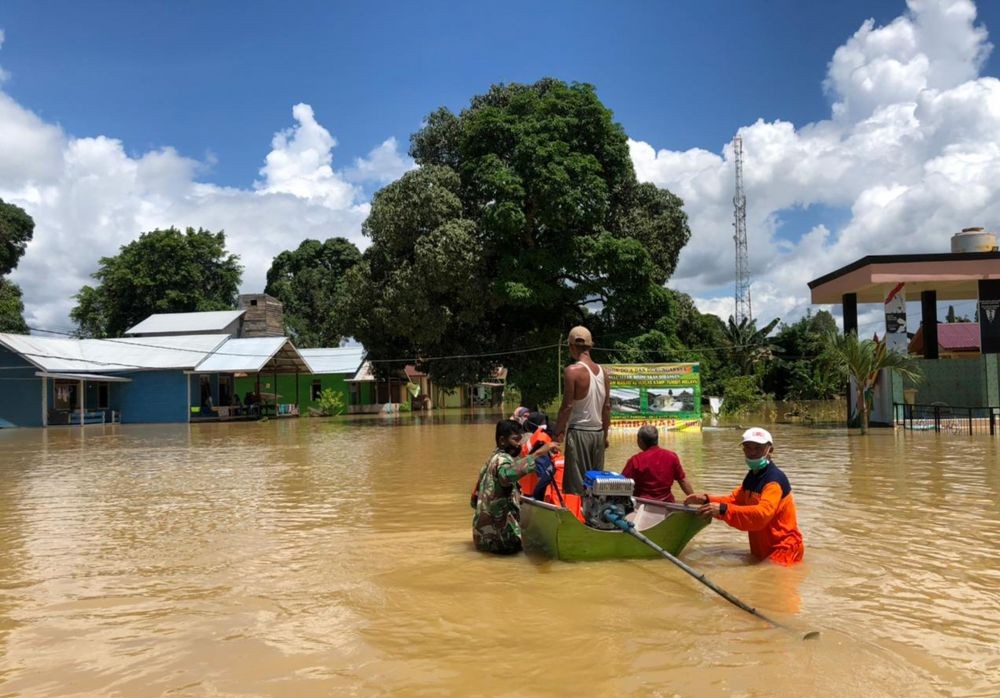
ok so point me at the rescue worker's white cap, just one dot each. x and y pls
(757, 435)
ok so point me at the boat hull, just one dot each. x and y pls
(555, 532)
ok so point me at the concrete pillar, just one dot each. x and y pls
(928, 312)
(850, 312)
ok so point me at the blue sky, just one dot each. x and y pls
(175, 108)
(219, 77)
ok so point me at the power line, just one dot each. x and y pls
(409, 359)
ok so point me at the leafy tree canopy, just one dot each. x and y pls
(164, 271)
(802, 370)
(308, 281)
(680, 333)
(11, 308)
(16, 230)
(524, 218)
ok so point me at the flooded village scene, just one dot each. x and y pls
(579, 348)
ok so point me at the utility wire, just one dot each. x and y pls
(130, 342)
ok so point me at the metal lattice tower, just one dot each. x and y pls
(740, 236)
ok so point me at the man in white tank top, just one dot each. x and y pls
(585, 413)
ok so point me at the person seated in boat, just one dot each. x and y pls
(655, 469)
(763, 505)
(520, 415)
(496, 525)
(536, 434)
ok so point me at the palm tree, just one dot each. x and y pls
(747, 345)
(864, 359)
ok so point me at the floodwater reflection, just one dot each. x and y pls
(307, 557)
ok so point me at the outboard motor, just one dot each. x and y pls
(603, 490)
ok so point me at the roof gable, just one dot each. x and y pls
(186, 323)
(334, 359)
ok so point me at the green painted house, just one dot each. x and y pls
(331, 368)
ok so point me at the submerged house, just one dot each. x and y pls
(329, 369)
(131, 379)
(184, 367)
(173, 367)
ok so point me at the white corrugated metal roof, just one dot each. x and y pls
(251, 355)
(125, 354)
(334, 360)
(209, 321)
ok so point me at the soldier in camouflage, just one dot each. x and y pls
(496, 526)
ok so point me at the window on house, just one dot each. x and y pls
(317, 388)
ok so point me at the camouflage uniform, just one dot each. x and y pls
(496, 526)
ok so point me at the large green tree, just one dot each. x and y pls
(680, 333)
(308, 281)
(164, 271)
(801, 369)
(16, 231)
(524, 218)
(11, 308)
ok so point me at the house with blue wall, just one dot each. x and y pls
(150, 379)
(64, 380)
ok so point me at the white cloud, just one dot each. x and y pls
(911, 149)
(88, 197)
(300, 163)
(384, 164)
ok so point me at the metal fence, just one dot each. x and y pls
(946, 418)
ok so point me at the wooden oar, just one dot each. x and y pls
(629, 528)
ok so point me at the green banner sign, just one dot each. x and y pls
(667, 395)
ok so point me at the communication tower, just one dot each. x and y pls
(740, 236)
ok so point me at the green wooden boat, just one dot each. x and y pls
(554, 532)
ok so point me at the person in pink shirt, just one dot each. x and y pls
(655, 469)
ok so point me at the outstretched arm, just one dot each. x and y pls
(514, 469)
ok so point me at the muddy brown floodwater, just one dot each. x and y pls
(314, 557)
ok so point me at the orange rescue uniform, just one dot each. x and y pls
(763, 506)
(573, 502)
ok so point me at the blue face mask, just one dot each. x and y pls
(756, 463)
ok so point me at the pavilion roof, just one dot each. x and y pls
(952, 276)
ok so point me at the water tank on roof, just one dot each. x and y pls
(973, 240)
